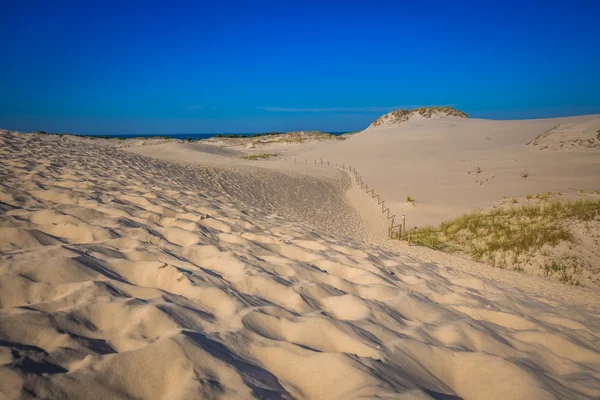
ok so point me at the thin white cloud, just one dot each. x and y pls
(192, 108)
(333, 109)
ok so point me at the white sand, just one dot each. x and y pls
(436, 163)
(123, 276)
(449, 165)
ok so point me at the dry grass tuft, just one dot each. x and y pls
(263, 156)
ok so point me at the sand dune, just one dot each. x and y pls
(450, 166)
(399, 116)
(125, 276)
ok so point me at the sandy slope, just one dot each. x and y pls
(451, 165)
(124, 276)
(436, 162)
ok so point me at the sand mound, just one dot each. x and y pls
(570, 136)
(173, 288)
(399, 116)
(261, 140)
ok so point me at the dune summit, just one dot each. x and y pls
(399, 116)
(124, 276)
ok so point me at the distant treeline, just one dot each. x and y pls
(189, 138)
(219, 135)
(111, 137)
(243, 135)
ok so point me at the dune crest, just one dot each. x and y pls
(398, 116)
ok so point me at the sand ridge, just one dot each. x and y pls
(125, 276)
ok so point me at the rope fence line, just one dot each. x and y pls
(395, 231)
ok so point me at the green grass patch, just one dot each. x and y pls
(517, 230)
(263, 156)
(429, 237)
(566, 270)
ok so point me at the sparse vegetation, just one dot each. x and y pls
(430, 237)
(282, 137)
(402, 115)
(524, 174)
(566, 270)
(513, 233)
(410, 200)
(543, 196)
(262, 156)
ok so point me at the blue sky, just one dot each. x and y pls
(248, 66)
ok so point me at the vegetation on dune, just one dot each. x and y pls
(507, 236)
(566, 270)
(402, 115)
(251, 135)
(428, 112)
(262, 156)
(282, 137)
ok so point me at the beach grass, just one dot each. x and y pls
(263, 156)
(515, 232)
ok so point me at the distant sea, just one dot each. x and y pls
(184, 136)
